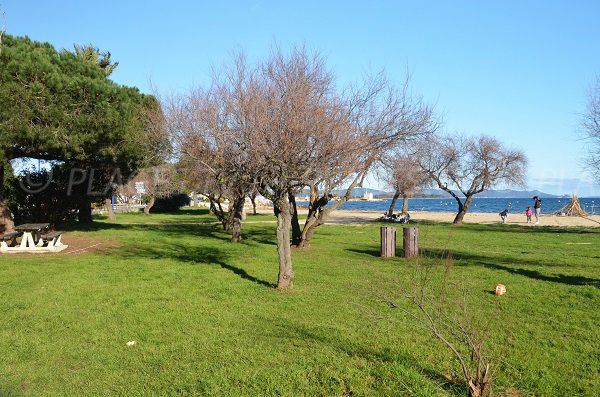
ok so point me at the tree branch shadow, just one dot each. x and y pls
(560, 278)
(500, 264)
(352, 349)
(187, 254)
(243, 274)
(368, 252)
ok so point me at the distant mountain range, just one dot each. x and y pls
(504, 193)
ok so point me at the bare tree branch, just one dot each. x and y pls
(425, 310)
(590, 124)
(470, 165)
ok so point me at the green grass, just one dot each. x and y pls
(207, 320)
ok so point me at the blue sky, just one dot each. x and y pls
(517, 70)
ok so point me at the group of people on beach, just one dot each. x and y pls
(537, 208)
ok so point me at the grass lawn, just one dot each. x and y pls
(207, 320)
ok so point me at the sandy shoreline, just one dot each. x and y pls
(357, 216)
(347, 216)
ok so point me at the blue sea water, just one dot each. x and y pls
(489, 205)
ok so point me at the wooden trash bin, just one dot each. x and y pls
(411, 241)
(388, 241)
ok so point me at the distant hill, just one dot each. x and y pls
(508, 193)
(504, 193)
(356, 192)
(360, 192)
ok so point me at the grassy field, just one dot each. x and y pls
(207, 320)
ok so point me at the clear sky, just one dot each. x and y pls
(517, 70)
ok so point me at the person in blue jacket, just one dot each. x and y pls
(504, 215)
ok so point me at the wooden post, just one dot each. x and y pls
(411, 241)
(388, 241)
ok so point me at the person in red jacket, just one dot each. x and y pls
(528, 213)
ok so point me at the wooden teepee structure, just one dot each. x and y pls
(572, 209)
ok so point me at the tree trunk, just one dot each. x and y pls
(393, 203)
(238, 210)
(310, 227)
(7, 224)
(318, 214)
(253, 201)
(149, 205)
(109, 209)
(296, 231)
(462, 209)
(194, 199)
(311, 218)
(314, 217)
(216, 209)
(284, 219)
(405, 204)
(85, 212)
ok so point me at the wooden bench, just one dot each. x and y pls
(51, 239)
(12, 237)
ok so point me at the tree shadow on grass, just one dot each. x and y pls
(243, 274)
(560, 278)
(187, 254)
(179, 242)
(182, 242)
(376, 253)
(324, 336)
(264, 236)
(368, 252)
(175, 232)
(502, 264)
(499, 227)
(190, 211)
(94, 226)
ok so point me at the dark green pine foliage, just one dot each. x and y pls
(62, 106)
(58, 106)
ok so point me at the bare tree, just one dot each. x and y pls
(298, 116)
(464, 167)
(159, 181)
(451, 322)
(282, 125)
(205, 127)
(272, 129)
(406, 177)
(381, 117)
(591, 129)
(252, 196)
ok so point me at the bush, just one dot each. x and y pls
(171, 203)
(43, 196)
(37, 197)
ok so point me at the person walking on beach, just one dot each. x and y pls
(504, 215)
(528, 213)
(537, 206)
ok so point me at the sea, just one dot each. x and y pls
(488, 205)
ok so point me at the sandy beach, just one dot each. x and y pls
(345, 216)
